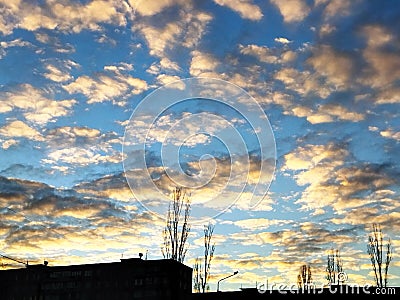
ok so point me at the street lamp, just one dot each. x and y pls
(234, 273)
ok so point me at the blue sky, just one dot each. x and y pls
(324, 73)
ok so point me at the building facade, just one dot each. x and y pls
(134, 278)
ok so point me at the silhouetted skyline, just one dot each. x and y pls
(325, 74)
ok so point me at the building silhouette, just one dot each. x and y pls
(133, 278)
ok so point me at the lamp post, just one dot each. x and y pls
(234, 273)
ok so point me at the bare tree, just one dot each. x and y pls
(304, 279)
(177, 226)
(375, 250)
(334, 267)
(197, 270)
(202, 270)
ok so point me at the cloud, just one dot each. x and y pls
(331, 182)
(377, 35)
(186, 31)
(258, 224)
(336, 67)
(14, 43)
(54, 43)
(302, 82)
(9, 143)
(120, 67)
(336, 7)
(69, 136)
(150, 8)
(203, 64)
(304, 158)
(59, 72)
(388, 95)
(263, 53)
(245, 8)
(64, 16)
(333, 112)
(326, 29)
(8, 16)
(165, 64)
(113, 187)
(225, 187)
(391, 134)
(18, 128)
(35, 104)
(53, 223)
(166, 79)
(288, 56)
(160, 39)
(292, 10)
(293, 243)
(282, 40)
(81, 146)
(103, 87)
(383, 62)
(79, 156)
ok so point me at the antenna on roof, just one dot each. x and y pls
(16, 260)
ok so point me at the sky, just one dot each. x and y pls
(280, 118)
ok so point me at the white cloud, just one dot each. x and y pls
(8, 143)
(245, 8)
(14, 43)
(150, 8)
(35, 105)
(377, 35)
(282, 40)
(258, 224)
(80, 146)
(107, 88)
(79, 156)
(20, 129)
(54, 43)
(159, 40)
(292, 10)
(390, 94)
(203, 64)
(338, 7)
(304, 158)
(167, 64)
(288, 56)
(65, 16)
(123, 66)
(326, 29)
(391, 134)
(56, 74)
(336, 67)
(330, 182)
(263, 53)
(333, 112)
(167, 79)
(304, 82)
(383, 67)
(186, 31)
